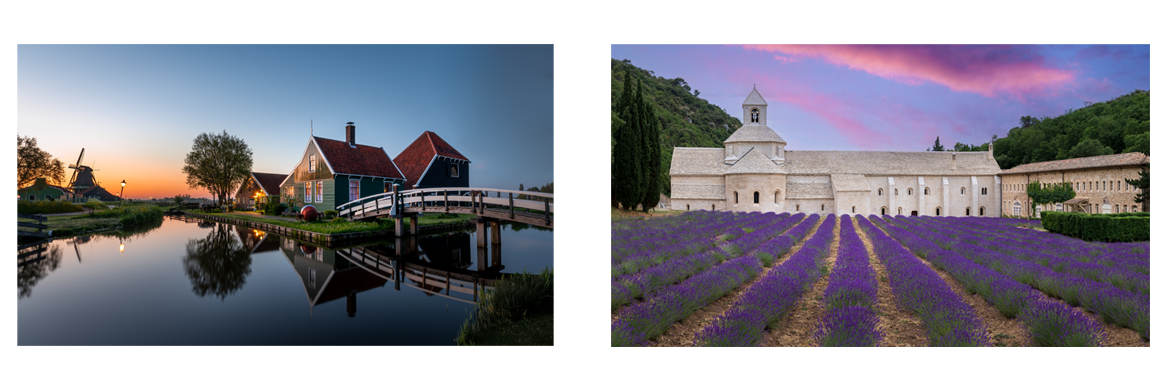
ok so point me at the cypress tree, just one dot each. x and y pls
(627, 167)
(653, 158)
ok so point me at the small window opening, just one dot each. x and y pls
(756, 197)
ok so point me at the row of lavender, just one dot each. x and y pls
(1049, 322)
(655, 314)
(1115, 305)
(1129, 261)
(851, 297)
(773, 296)
(949, 321)
(624, 289)
(699, 234)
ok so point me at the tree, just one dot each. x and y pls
(1089, 147)
(33, 163)
(650, 153)
(219, 163)
(1143, 184)
(627, 169)
(1050, 193)
(217, 265)
(937, 146)
(696, 93)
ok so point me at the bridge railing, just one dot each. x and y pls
(463, 197)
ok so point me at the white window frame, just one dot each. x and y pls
(32, 197)
(355, 189)
(312, 163)
(455, 169)
(308, 191)
(320, 191)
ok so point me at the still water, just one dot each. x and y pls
(192, 282)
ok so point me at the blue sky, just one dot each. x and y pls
(137, 108)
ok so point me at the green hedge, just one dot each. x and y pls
(1128, 227)
(46, 207)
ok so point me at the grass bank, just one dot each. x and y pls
(618, 215)
(119, 218)
(531, 310)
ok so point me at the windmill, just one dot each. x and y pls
(83, 183)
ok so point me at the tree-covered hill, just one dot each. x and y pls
(1121, 125)
(687, 119)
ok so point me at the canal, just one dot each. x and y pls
(193, 282)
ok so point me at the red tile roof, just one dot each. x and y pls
(1112, 160)
(360, 160)
(270, 181)
(415, 158)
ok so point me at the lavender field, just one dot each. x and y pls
(748, 279)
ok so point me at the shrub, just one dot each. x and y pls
(95, 204)
(274, 208)
(46, 207)
(1128, 227)
(329, 214)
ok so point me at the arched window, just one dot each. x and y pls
(909, 191)
(899, 211)
(879, 192)
(963, 191)
(895, 192)
(926, 191)
(968, 211)
(797, 207)
(822, 207)
(854, 210)
(883, 211)
(755, 115)
(712, 207)
(776, 197)
(756, 197)
(1016, 208)
(736, 197)
(980, 211)
(688, 207)
(938, 211)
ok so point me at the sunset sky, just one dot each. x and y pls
(137, 108)
(891, 97)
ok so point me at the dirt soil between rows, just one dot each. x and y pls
(797, 327)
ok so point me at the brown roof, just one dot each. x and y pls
(1112, 160)
(269, 181)
(358, 159)
(415, 159)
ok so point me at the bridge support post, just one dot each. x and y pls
(482, 262)
(496, 261)
(414, 225)
(480, 232)
(495, 233)
(398, 230)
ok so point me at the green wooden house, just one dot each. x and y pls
(331, 173)
(42, 190)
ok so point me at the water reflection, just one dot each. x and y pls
(218, 264)
(35, 264)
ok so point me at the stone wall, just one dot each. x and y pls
(741, 189)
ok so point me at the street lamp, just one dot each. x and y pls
(120, 198)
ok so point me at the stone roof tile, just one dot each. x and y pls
(1112, 160)
(850, 183)
(888, 163)
(697, 161)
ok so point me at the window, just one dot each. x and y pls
(822, 207)
(308, 192)
(756, 197)
(899, 211)
(776, 197)
(879, 192)
(968, 211)
(736, 197)
(963, 191)
(980, 211)
(926, 191)
(353, 190)
(312, 163)
(984, 190)
(909, 191)
(712, 207)
(454, 170)
(854, 210)
(312, 278)
(755, 115)
(883, 211)
(386, 186)
(895, 192)
(797, 207)
(320, 191)
(1016, 209)
(32, 197)
(938, 211)
(688, 207)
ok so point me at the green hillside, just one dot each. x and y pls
(687, 119)
(1121, 125)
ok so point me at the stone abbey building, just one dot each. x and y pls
(755, 172)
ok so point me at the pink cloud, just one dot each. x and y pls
(984, 70)
(837, 113)
(783, 59)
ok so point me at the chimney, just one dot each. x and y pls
(349, 136)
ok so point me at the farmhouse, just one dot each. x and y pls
(754, 171)
(331, 172)
(42, 190)
(430, 162)
(259, 188)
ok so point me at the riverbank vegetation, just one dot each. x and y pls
(518, 312)
(46, 207)
(340, 225)
(117, 218)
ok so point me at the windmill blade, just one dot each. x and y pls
(74, 166)
(80, 156)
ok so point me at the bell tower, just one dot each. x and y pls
(755, 109)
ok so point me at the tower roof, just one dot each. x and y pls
(754, 98)
(755, 133)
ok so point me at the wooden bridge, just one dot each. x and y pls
(533, 208)
(403, 271)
